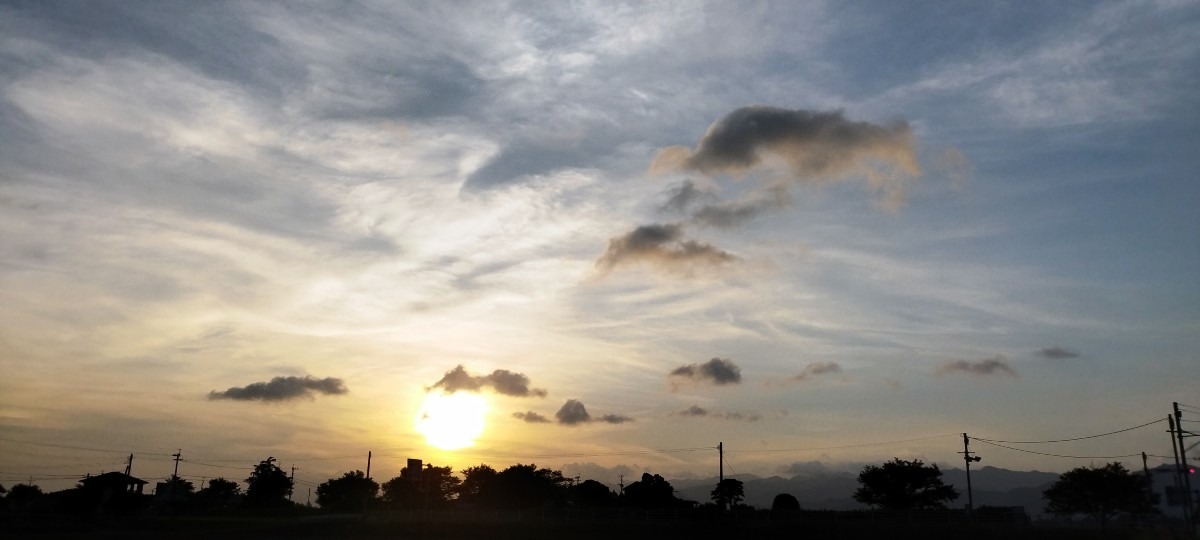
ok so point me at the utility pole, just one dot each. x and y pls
(178, 455)
(1183, 470)
(129, 465)
(368, 464)
(721, 458)
(291, 483)
(622, 484)
(968, 458)
(1175, 451)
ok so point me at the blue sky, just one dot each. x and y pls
(948, 218)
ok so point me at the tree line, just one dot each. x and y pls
(1098, 492)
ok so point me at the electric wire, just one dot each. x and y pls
(1058, 455)
(81, 448)
(1071, 439)
(881, 443)
(595, 454)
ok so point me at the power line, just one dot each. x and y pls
(597, 454)
(81, 448)
(985, 441)
(881, 443)
(1072, 439)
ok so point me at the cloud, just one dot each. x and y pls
(283, 389)
(718, 371)
(1057, 353)
(700, 412)
(614, 419)
(683, 195)
(663, 246)
(817, 369)
(502, 381)
(531, 417)
(988, 366)
(574, 413)
(812, 145)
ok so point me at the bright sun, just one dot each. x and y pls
(451, 421)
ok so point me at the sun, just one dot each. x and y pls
(451, 421)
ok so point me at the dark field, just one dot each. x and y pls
(538, 526)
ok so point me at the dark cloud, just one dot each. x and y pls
(1057, 353)
(694, 410)
(817, 369)
(814, 144)
(614, 419)
(502, 381)
(663, 246)
(283, 389)
(988, 366)
(574, 413)
(531, 417)
(718, 371)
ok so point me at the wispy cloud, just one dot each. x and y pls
(717, 371)
(817, 369)
(697, 411)
(996, 365)
(283, 389)
(1056, 352)
(502, 381)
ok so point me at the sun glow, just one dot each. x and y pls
(451, 421)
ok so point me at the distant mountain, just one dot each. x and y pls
(833, 490)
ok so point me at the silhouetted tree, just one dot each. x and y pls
(219, 493)
(785, 505)
(1098, 492)
(268, 486)
(903, 485)
(433, 487)
(476, 485)
(652, 491)
(350, 493)
(20, 496)
(527, 486)
(728, 493)
(592, 494)
(178, 488)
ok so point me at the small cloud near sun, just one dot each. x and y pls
(283, 389)
(531, 417)
(502, 381)
(573, 413)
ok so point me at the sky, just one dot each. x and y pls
(815, 232)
